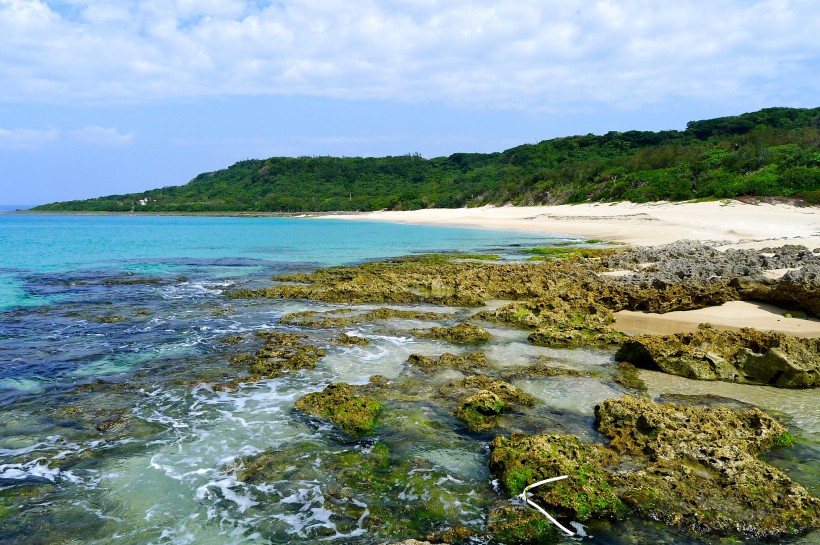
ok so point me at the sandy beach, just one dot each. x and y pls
(731, 223)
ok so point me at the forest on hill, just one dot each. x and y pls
(771, 152)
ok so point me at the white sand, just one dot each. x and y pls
(736, 223)
(731, 222)
(728, 316)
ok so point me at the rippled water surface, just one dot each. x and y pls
(115, 429)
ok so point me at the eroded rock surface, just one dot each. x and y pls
(746, 356)
(702, 470)
(464, 333)
(354, 414)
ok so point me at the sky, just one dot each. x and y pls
(100, 97)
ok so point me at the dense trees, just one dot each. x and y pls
(775, 151)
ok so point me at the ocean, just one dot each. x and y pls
(114, 340)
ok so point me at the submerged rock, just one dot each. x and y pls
(280, 352)
(461, 333)
(346, 339)
(465, 362)
(519, 525)
(701, 470)
(747, 356)
(574, 337)
(353, 414)
(504, 390)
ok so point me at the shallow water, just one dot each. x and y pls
(113, 432)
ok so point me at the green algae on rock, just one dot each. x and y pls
(345, 316)
(542, 369)
(746, 356)
(353, 414)
(464, 333)
(281, 352)
(465, 362)
(504, 390)
(365, 487)
(519, 525)
(701, 469)
(346, 339)
(480, 410)
(588, 491)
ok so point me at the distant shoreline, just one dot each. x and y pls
(728, 222)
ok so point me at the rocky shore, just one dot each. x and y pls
(692, 465)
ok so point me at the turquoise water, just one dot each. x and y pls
(36, 245)
(113, 431)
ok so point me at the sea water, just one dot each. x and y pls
(112, 430)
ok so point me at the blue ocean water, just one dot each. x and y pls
(37, 250)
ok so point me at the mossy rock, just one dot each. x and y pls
(353, 414)
(745, 356)
(519, 525)
(629, 377)
(480, 410)
(508, 393)
(588, 492)
(542, 370)
(109, 319)
(576, 337)
(346, 339)
(461, 333)
(280, 352)
(702, 470)
(468, 361)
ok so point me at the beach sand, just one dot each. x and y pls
(735, 223)
(730, 223)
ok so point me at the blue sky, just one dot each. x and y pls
(100, 96)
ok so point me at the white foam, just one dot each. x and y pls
(36, 469)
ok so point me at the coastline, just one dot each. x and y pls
(731, 223)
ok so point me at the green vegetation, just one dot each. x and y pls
(772, 152)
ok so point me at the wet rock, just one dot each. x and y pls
(588, 491)
(462, 333)
(232, 340)
(353, 414)
(345, 339)
(504, 390)
(280, 352)
(109, 319)
(519, 525)
(540, 370)
(458, 535)
(465, 362)
(628, 376)
(702, 470)
(480, 410)
(747, 356)
(363, 487)
(412, 542)
(598, 337)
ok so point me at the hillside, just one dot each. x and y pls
(772, 152)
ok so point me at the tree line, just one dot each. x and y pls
(772, 152)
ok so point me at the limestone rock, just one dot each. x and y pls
(747, 356)
(354, 414)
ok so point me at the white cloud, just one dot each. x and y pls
(523, 53)
(22, 139)
(32, 139)
(102, 136)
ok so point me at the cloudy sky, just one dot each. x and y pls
(110, 96)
